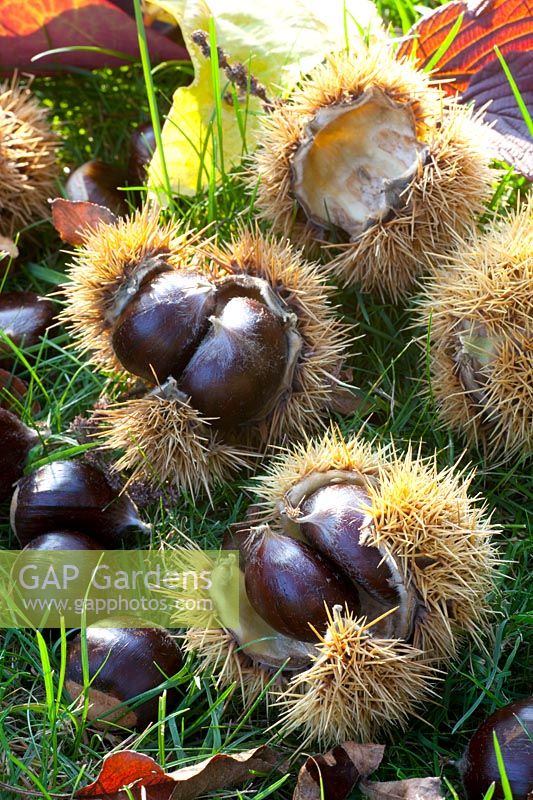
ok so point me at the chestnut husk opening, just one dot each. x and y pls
(124, 662)
(74, 496)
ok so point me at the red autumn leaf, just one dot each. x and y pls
(27, 29)
(507, 24)
(126, 769)
(471, 67)
(70, 217)
(146, 780)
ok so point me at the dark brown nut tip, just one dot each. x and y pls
(16, 442)
(24, 317)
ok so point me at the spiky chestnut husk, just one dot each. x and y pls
(361, 677)
(28, 164)
(445, 181)
(161, 434)
(479, 308)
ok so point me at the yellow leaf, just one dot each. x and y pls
(277, 40)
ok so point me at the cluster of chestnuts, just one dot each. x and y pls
(356, 580)
(70, 505)
(236, 347)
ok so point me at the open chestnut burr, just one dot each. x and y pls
(236, 346)
(478, 308)
(360, 572)
(369, 166)
(124, 662)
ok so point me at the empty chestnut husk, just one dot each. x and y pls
(369, 166)
(513, 726)
(72, 496)
(24, 317)
(97, 182)
(238, 347)
(123, 663)
(16, 441)
(351, 581)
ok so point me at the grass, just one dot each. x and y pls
(47, 747)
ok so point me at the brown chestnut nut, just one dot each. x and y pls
(513, 726)
(97, 182)
(291, 586)
(24, 317)
(73, 496)
(123, 663)
(333, 519)
(16, 441)
(12, 392)
(63, 540)
(236, 371)
(158, 330)
(142, 147)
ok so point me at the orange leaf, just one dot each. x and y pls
(70, 217)
(507, 24)
(147, 781)
(27, 29)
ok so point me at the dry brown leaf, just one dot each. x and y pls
(334, 774)
(70, 217)
(412, 789)
(146, 780)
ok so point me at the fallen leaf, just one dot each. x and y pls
(70, 217)
(277, 41)
(509, 135)
(27, 29)
(332, 776)
(507, 24)
(470, 66)
(146, 780)
(411, 789)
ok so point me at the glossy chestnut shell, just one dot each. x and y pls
(71, 495)
(333, 520)
(159, 329)
(513, 726)
(124, 663)
(291, 586)
(235, 372)
(97, 182)
(24, 317)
